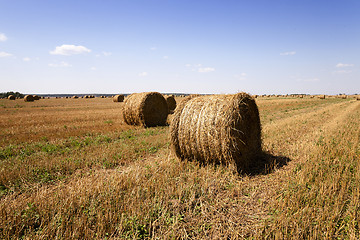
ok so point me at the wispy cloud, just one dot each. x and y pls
(206, 70)
(5, 54)
(26, 59)
(341, 65)
(93, 68)
(153, 48)
(106, 54)
(68, 50)
(143, 74)
(3, 37)
(288, 53)
(342, 71)
(165, 57)
(62, 64)
(241, 76)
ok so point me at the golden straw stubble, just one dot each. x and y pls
(147, 109)
(218, 129)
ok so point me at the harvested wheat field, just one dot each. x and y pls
(73, 169)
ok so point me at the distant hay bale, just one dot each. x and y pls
(11, 97)
(321, 96)
(171, 102)
(147, 109)
(118, 98)
(218, 129)
(74, 97)
(357, 98)
(36, 97)
(343, 96)
(29, 98)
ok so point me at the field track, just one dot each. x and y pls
(71, 168)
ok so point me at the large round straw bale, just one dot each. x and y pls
(75, 97)
(218, 129)
(11, 97)
(358, 98)
(147, 109)
(29, 98)
(36, 97)
(321, 96)
(171, 102)
(118, 98)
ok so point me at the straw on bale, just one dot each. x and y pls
(75, 96)
(171, 102)
(218, 129)
(29, 98)
(118, 98)
(147, 109)
(11, 97)
(321, 96)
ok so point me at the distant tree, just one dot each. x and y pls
(16, 94)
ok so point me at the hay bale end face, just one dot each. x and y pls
(148, 109)
(11, 97)
(218, 129)
(29, 98)
(171, 102)
(118, 98)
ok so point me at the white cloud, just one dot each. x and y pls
(153, 48)
(342, 71)
(107, 54)
(206, 70)
(68, 50)
(165, 57)
(143, 74)
(5, 54)
(240, 76)
(26, 59)
(288, 53)
(3, 37)
(93, 68)
(187, 65)
(62, 64)
(340, 65)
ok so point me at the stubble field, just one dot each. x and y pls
(72, 169)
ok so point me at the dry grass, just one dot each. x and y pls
(121, 181)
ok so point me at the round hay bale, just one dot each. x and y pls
(147, 109)
(11, 97)
(171, 102)
(29, 98)
(321, 96)
(75, 97)
(357, 98)
(118, 98)
(218, 129)
(36, 97)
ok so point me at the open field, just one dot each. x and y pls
(71, 168)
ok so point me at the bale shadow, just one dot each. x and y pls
(264, 164)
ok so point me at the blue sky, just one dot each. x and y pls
(125, 46)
